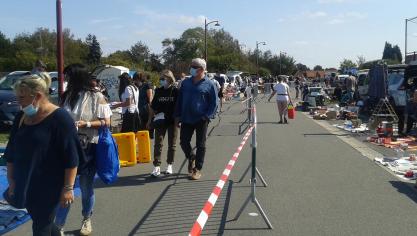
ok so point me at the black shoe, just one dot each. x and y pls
(285, 121)
(280, 122)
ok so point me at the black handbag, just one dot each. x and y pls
(85, 141)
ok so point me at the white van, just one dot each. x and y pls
(363, 83)
(396, 88)
(109, 77)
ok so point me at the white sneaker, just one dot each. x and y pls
(86, 228)
(169, 169)
(156, 171)
(61, 231)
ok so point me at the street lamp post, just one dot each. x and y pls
(205, 35)
(406, 35)
(257, 56)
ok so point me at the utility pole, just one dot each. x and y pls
(257, 56)
(60, 47)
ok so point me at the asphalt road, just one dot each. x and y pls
(317, 185)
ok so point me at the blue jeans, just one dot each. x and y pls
(87, 197)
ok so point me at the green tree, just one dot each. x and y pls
(5, 46)
(347, 64)
(318, 68)
(302, 67)
(154, 63)
(139, 53)
(392, 53)
(397, 55)
(94, 50)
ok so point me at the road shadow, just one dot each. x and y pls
(142, 179)
(178, 206)
(228, 130)
(407, 189)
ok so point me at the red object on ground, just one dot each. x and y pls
(409, 174)
(291, 112)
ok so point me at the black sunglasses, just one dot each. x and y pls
(195, 67)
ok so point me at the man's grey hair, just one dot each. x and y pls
(199, 62)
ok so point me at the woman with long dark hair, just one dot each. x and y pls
(129, 103)
(90, 111)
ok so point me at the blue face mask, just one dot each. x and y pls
(30, 110)
(162, 83)
(193, 71)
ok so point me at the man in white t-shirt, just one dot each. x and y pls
(283, 97)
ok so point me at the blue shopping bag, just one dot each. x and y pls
(107, 156)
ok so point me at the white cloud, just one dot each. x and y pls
(355, 15)
(316, 14)
(101, 21)
(347, 17)
(149, 13)
(189, 20)
(335, 21)
(180, 19)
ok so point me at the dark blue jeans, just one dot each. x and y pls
(187, 131)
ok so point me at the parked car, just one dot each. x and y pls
(363, 83)
(396, 85)
(316, 96)
(9, 106)
(341, 78)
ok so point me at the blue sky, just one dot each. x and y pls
(314, 32)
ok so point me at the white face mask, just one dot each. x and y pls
(193, 71)
(30, 110)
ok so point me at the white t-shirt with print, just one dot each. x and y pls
(281, 89)
(131, 92)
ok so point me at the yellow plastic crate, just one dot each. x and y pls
(127, 148)
(144, 147)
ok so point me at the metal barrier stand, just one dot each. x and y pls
(252, 197)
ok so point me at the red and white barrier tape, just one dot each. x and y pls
(205, 213)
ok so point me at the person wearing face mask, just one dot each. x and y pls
(197, 104)
(89, 111)
(42, 155)
(162, 111)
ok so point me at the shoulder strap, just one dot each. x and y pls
(133, 92)
(21, 120)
